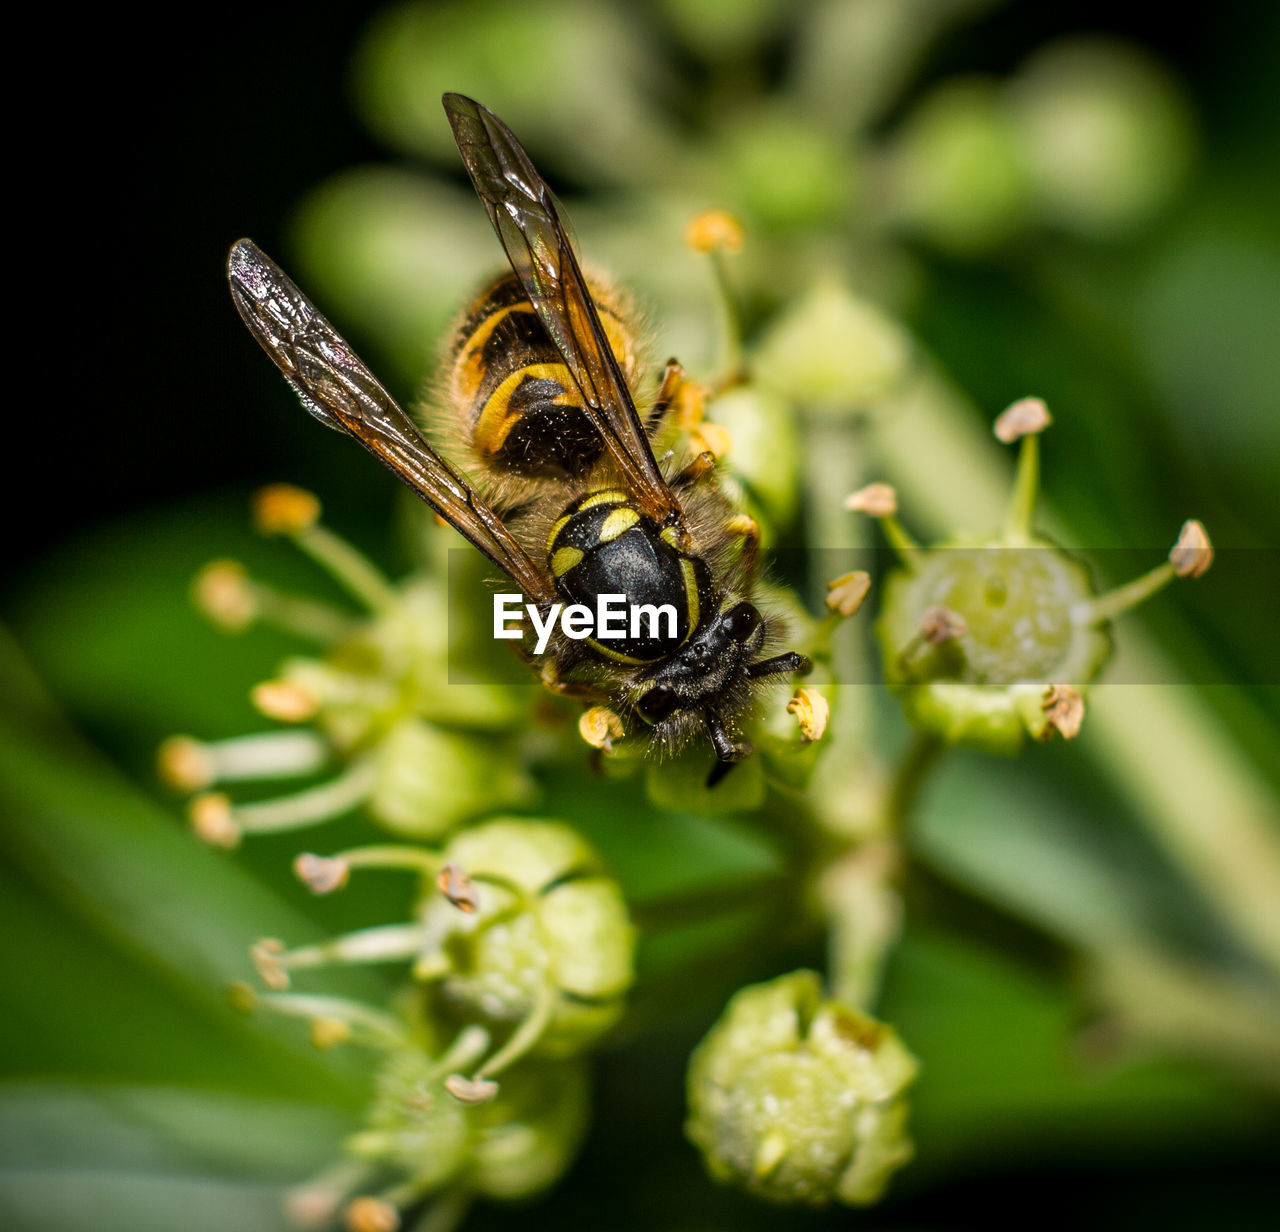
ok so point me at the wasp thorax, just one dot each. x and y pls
(603, 545)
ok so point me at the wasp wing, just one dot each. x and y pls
(524, 214)
(340, 391)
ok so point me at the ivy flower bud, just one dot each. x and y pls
(548, 946)
(831, 351)
(974, 633)
(798, 1099)
(507, 1147)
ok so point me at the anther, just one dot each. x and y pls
(847, 593)
(811, 711)
(600, 727)
(458, 888)
(1192, 555)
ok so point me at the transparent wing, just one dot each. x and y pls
(524, 214)
(337, 388)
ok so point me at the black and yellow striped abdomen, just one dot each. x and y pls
(520, 405)
(603, 545)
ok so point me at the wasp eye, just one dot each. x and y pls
(740, 622)
(657, 703)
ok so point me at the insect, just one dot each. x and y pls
(541, 369)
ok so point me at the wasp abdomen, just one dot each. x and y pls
(603, 545)
(522, 408)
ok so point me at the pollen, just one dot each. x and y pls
(328, 1033)
(282, 509)
(185, 764)
(213, 821)
(367, 1214)
(321, 874)
(600, 727)
(711, 438)
(223, 593)
(715, 229)
(1063, 708)
(1026, 417)
(812, 712)
(284, 700)
(458, 888)
(847, 593)
(877, 500)
(1192, 555)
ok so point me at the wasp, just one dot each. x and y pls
(542, 370)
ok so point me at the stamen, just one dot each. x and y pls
(458, 888)
(315, 1203)
(324, 874)
(711, 438)
(716, 232)
(1023, 421)
(369, 1214)
(213, 822)
(362, 1022)
(1026, 417)
(811, 711)
(282, 509)
(341, 795)
(1063, 708)
(478, 1087)
(284, 700)
(221, 591)
(847, 593)
(1192, 555)
(382, 943)
(189, 765)
(600, 727)
(939, 626)
(880, 500)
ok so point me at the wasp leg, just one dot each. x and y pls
(779, 665)
(579, 690)
(718, 772)
(672, 379)
(697, 470)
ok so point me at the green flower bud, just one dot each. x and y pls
(958, 170)
(1014, 632)
(830, 350)
(428, 780)
(1105, 131)
(765, 451)
(800, 1100)
(549, 942)
(510, 1147)
(526, 1138)
(786, 173)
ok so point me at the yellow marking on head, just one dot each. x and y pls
(690, 594)
(556, 529)
(496, 420)
(468, 369)
(670, 537)
(617, 523)
(564, 560)
(743, 525)
(606, 496)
